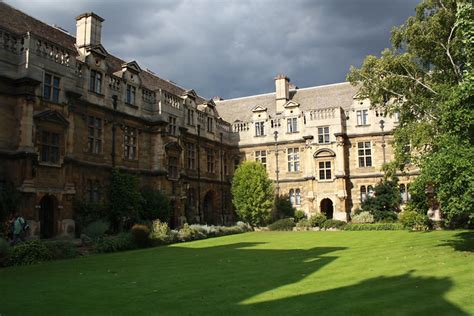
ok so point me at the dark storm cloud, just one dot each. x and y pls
(235, 48)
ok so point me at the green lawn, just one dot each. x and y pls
(274, 273)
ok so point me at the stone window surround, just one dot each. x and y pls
(51, 90)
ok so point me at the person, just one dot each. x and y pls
(19, 226)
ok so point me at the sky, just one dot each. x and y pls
(235, 48)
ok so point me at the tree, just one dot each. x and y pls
(155, 205)
(386, 200)
(125, 200)
(427, 78)
(252, 192)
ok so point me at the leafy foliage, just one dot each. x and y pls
(375, 226)
(363, 218)
(414, 220)
(334, 223)
(299, 215)
(155, 205)
(121, 242)
(60, 249)
(5, 251)
(428, 78)
(282, 224)
(283, 208)
(141, 235)
(96, 230)
(385, 202)
(125, 200)
(252, 192)
(317, 220)
(30, 252)
(9, 198)
(87, 213)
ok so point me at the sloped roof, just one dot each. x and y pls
(20, 23)
(328, 96)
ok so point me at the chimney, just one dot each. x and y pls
(88, 29)
(282, 91)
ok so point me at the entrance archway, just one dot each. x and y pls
(208, 208)
(327, 208)
(47, 216)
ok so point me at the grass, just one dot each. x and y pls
(262, 273)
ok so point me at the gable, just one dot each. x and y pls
(291, 104)
(53, 117)
(98, 50)
(259, 108)
(132, 66)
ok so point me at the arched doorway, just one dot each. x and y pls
(208, 208)
(327, 208)
(47, 216)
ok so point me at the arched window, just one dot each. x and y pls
(292, 197)
(370, 191)
(363, 193)
(297, 197)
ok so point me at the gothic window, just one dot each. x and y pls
(261, 156)
(94, 137)
(191, 156)
(324, 170)
(51, 87)
(323, 135)
(49, 147)
(172, 125)
(365, 154)
(95, 83)
(130, 143)
(293, 159)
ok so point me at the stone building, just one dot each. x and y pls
(70, 112)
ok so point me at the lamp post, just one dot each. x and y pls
(382, 122)
(277, 171)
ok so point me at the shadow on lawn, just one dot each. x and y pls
(464, 241)
(398, 295)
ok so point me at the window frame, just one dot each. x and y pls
(364, 154)
(293, 157)
(261, 156)
(324, 137)
(191, 156)
(173, 167)
(94, 139)
(211, 163)
(260, 128)
(130, 143)
(95, 81)
(362, 117)
(292, 125)
(49, 147)
(51, 88)
(131, 95)
(325, 170)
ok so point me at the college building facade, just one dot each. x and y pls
(70, 113)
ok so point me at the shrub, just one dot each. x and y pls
(385, 216)
(317, 220)
(186, 233)
(123, 241)
(413, 220)
(283, 208)
(252, 193)
(155, 205)
(160, 231)
(141, 235)
(5, 252)
(334, 223)
(282, 224)
(299, 215)
(363, 218)
(375, 226)
(304, 224)
(96, 230)
(61, 249)
(30, 252)
(87, 213)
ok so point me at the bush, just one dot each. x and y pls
(155, 205)
(283, 208)
(187, 233)
(282, 224)
(413, 220)
(87, 213)
(317, 220)
(30, 252)
(304, 224)
(141, 235)
(96, 230)
(385, 216)
(363, 218)
(5, 252)
(375, 226)
(160, 232)
(123, 241)
(334, 223)
(299, 215)
(61, 249)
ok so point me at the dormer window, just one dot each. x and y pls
(260, 128)
(51, 87)
(292, 125)
(362, 117)
(131, 93)
(209, 125)
(95, 83)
